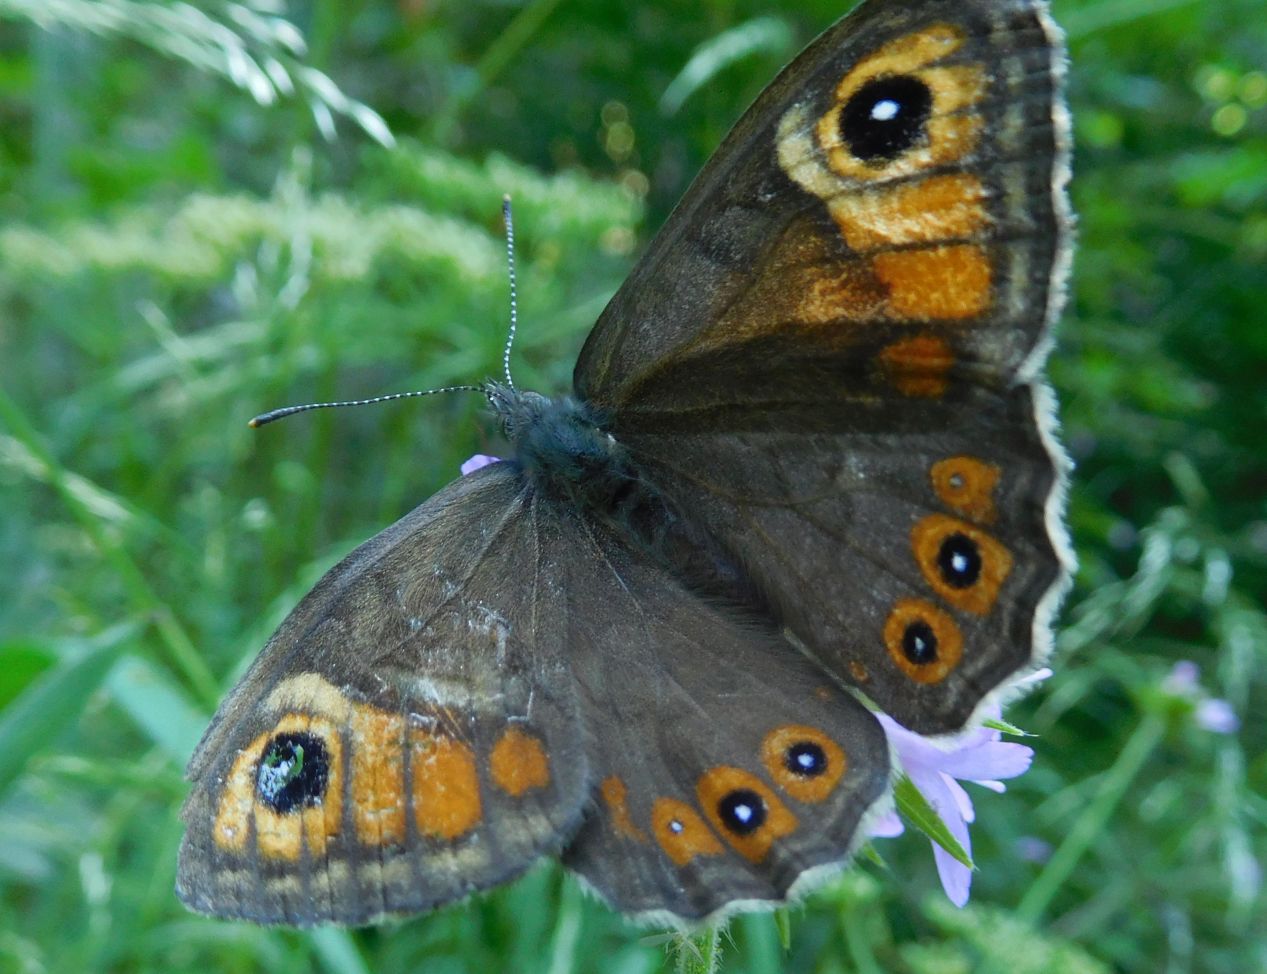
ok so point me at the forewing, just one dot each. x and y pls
(829, 357)
(411, 732)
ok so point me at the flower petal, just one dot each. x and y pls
(1217, 716)
(887, 826)
(998, 759)
(477, 462)
(962, 799)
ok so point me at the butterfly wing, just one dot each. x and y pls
(729, 768)
(489, 675)
(841, 327)
(411, 732)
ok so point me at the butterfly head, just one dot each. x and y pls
(561, 444)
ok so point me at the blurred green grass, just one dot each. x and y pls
(178, 253)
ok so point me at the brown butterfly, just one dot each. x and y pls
(808, 454)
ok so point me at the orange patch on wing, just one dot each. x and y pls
(285, 835)
(682, 834)
(445, 785)
(848, 294)
(378, 776)
(717, 784)
(937, 283)
(518, 763)
(936, 532)
(858, 671)
(918, 366)
(937, 208)
(966, 485)
(933, 623)
(615, 795)
(234, 811)
(776, 749)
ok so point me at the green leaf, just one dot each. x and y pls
(916, 810)
(54, 701)
(1002, 725)
(714, 55)
(157, 706)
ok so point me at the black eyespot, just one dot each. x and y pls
(742, 811)
(919, 643)
(885, 117)
(293, 772)
(805, 758)
(959, 561)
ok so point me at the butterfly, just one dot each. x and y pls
(807, 469)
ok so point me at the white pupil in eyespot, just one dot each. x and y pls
(959, 563)
(885, 110)
(743, 813)
(675, 826)
(805, 760)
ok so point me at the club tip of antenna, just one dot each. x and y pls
(506, 198)
(254, 422)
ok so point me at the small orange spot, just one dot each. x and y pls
(713, 788)
(780, 743)
(824, 694)
(378, 776)
(615, 795)
(680, 831)
(928, 537)
(918, 366)
(518, 763)
(944, 632)
(931, 210)
(283, 836)
(446, 787)
(947, 283)
(858, 671)
(966, 485)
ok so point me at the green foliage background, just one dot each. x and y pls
(201, 218)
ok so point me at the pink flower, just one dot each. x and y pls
(476, 462)
(979, 756)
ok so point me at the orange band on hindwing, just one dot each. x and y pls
(964, 565)
(615, 796)
(923, 640)
(803, 761)
(682, 834)
(743, 810)
(966, 485)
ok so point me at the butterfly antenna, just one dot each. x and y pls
(273, 415)
(509, 221)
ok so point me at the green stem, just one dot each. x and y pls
(1091, 824)
(700, 954)
(181, 649)
(857, 942)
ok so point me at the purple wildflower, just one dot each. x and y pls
(1210, 713)
(980, 756)
(476, 462)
